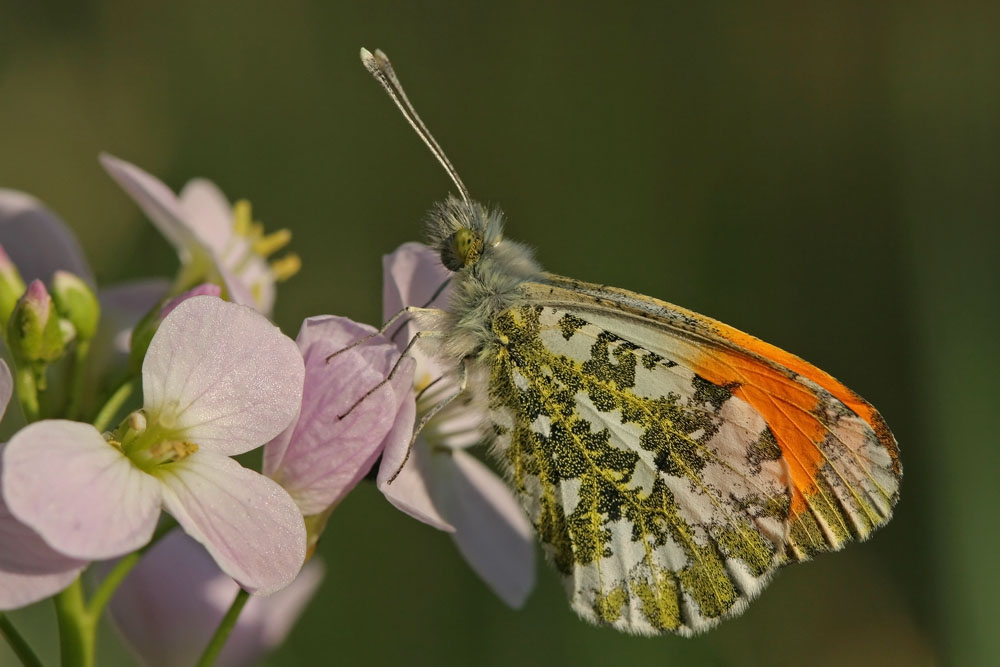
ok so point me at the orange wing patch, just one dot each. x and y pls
(830, 502)
(787, 409)
(842, 461)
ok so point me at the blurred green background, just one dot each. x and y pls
(825, 177)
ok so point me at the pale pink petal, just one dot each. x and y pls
(321, 457)
(410, 276)
(209, 213)
(257, 280)
(204, 289)
(30, 570)
(238, 290)
(249, 524)
(173, 600)
(157, 201)
(37, 241)
(408, 492)
(458, 425)
(491, 530)
(225, 375)
(78, 492)
(210, 216)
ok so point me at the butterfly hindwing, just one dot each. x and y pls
(664, 479)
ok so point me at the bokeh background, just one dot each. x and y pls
(825, 177)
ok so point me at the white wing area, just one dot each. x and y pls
(661, 498)
(843, 461)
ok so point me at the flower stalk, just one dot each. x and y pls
(218, 640)
(76, 627)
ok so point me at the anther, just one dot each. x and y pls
(271, 243)
(284, 268)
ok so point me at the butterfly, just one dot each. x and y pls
(670, 463)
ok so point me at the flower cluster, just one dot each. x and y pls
(135, 398)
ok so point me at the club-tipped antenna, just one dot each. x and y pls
(379, 66)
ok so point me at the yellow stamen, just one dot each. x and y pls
(256, 231)
(242, 217)
(272, 243)
(168, 451)
(286, 267)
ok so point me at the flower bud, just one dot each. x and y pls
(11, 287)
(34, 333)
(76, 303)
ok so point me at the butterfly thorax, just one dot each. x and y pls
(489, 271)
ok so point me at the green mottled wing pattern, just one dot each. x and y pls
(660, 497)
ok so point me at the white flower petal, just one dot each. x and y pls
(157, 201)
(330, 450)
(78, 492)
(491, 530)
(239, 290)
(410, 276)
(223, 374)
(173, 600)
(37, 241)
(30, 570)
(249, 524)
(209, 213)
(408, 492)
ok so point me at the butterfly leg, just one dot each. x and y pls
(392, 372)
(408, 310)
(463, 381)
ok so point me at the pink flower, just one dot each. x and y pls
(173, 600)
(322, 455)
(29, 569)
(215, 240)
(441, 483)
(218, 380)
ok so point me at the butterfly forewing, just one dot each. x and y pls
(668, 469)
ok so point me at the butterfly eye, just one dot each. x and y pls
(464, 249)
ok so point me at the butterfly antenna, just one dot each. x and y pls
(379, 66)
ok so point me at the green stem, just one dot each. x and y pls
(106, 589)
(110, 583)
(114, 404)
(76, 627)
(17, 643)
(27, 393)
(222, 632)
(77, 378)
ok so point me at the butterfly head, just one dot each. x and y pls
(463, 232)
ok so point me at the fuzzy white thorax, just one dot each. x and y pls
(481, 289)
